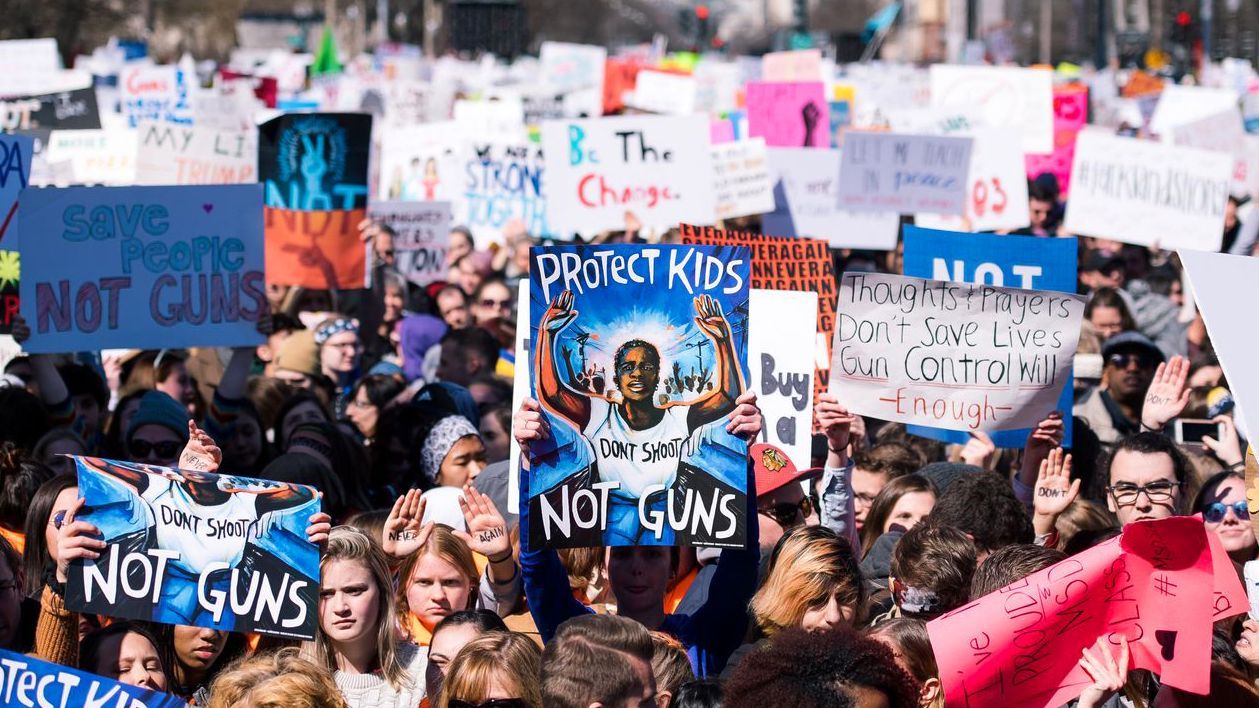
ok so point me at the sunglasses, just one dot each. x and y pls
(166, 450)
(788, 514)
(492, 703)
(1122, 361)
(1216, 511)
(499, 304)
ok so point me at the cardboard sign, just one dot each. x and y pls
(1142, 192)
(314, 171)
(806, 188)
(904, 173)
(1071, 113)
(789, 114)
(796, 264)
(1216, 280)
(501, 183)
(106, 157)
(741, 174)
(10, 277)
(194, 548)
(664, 93)
(421, 234)
(780, 351)
(798, 65)
(1021, 645)
(142, 267)
(651, 334)
(155, 93)
(996, 191)
(575, 70)
(67, 110)
(1004, 261)
(16, 155)
(186, 154)
(421, 163)
(658, 167)
(951, 355)
(30, 682)
(1006, 96)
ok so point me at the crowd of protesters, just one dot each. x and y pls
(396, 404)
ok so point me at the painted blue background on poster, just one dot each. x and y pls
(28, 681)
(15, 172)
(315, 161)
(1008, 261)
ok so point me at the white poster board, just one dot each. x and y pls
(996, 192)
(185, 154)
(741, 177)
(420, 163)
(421, 235)
(664, 93)
(782, 327)
(904, 173)
(806, 204)
(1006, 96)
(575, 70)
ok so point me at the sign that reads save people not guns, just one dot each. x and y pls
(143, 267)
(659, 167)
(195, 548)
(639, 354)
(952, 355)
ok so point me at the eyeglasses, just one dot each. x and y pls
(1122, 361)
(1126, 494)
(498, 304)
(491, 703)
(788, 514)
(1216, 511)
(166, 450)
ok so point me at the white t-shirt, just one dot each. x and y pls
(202, 534)
(637, 458)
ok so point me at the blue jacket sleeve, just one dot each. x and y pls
(550, 598)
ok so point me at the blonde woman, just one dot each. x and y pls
(498, 669)
(357, 641)
(279, 679)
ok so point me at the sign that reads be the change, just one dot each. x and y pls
(142, 267)
(952, 355)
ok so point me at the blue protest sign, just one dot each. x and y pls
(195, 548)
(15, 172)
(142, 267)
(1007, 261)
(29, 682)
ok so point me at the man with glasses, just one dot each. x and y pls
(1145, 476)
(1114, 409)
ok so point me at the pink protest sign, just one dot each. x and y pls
(1071, 112)
(721, 131)
(789, 114)
(1020, 645)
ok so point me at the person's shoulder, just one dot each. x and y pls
(412, 656)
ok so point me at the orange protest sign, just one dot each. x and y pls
(1154, 585)
(315, 249)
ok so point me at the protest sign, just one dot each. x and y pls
(798, 65)
(1179, 104)
(421, 232)
(741, 174)
(1222, 132)
(1006, 96)
(996, 186)
(1071, 112)
(665, 93)
(29, 682)
(501, 120)
(520, 390)
(218, 551)
(789, 114)
(806, 203)
(576, 71)
(314, 171)
(639, 453)
(1021, 645)
(1216, 280)
(782, 334)
(501, 183)
(1143, 192)
(187, 154)
(952, 355)
(1004, 261)
(10, 276)
(658, 167)
(28, 65)
(420, 163)
(156, 93)
(538, 107)
(780, 263)
(904, 173)
(151, 267)
(16, 155)
(717, 87)
(106, 156)
(67, 110)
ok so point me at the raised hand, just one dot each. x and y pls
(1054, 491)
(487, 531)
(1229, 447)
(529, 425)
(745, 419)
(979, 449)
(560, 313)
(404, 531)
(75, 540)
(201, 454)
(1109, 673)
(1167, 396)
(710, 318)
(836, 422)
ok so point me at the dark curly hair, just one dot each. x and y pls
(624, 349)
(818, 670)
(984, 506)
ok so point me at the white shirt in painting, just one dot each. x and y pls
(637, 458)
(201, 534)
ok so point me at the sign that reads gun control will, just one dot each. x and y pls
(194, 548)
(952, 355)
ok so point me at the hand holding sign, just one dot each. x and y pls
(405, 532)
(1109, 673)
(835, 421)
(76, 539)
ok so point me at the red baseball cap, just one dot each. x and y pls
(772, 469)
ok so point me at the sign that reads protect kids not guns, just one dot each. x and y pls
(952, 355)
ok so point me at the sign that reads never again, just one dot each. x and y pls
(952, 355)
